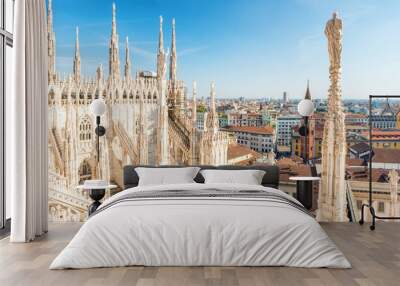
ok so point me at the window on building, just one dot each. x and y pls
(85, 129)
(85, 172)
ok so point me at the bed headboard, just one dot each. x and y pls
(270, 179)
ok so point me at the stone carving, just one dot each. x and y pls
(332, 194)
(393, 187)
(333, 32)
(146, 120)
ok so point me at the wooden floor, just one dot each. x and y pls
(375, 257)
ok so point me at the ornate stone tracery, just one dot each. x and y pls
(146, 117)
(332, 194)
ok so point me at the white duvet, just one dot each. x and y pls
(200, 231)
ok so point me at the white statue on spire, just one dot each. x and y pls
(332, 194)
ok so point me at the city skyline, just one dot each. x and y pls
(257, 56)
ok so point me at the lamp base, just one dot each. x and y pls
(100, 130)
(96, 195)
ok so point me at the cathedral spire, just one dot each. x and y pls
(332, 192)
(127, 61)
(99, 74)
(77, 59)
(194, 105)
(212, 98)
(308, 93)
(114, 22)
(161, 37)
(172, 64)
(51, 43)
(212, 116)
(161, 54)
(114, 72)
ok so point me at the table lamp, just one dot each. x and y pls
(305, 109)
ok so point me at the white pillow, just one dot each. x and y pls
(248, 177)
(166, 176)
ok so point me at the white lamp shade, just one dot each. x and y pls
(306, 107)
(98, 107)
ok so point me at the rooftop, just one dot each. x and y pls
(362, 174)
(356, 115)
(237, 150)
(386, 155)
(360, 147)
(384, 135)
(292, 166)
(267, 130)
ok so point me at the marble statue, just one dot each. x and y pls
(332, 194)
(393, 187)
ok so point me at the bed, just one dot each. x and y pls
(198, 224)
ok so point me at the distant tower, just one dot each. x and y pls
(51, 43)
(114, 72)
(77, 59)
(332, 194)
(127, 62)
(308, 94)
(285, 97)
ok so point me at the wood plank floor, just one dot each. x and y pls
(375, 257)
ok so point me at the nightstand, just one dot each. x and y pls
(96, 193)
(304, 190)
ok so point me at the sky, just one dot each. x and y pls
(249, 48)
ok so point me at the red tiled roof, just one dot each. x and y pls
(362, 174)
(384, 135)
(237, 150)
(386, 155)
(289, 167)
(355, 115)
(354, 162)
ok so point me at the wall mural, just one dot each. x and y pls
(152, 118)
(148, 121)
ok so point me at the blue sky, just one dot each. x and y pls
(250, 48)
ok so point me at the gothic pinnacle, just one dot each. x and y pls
(212, 97)
(77, 58)
(161, 37)
(114, 71)
(114, 24)
(194, 104)
(127, 60)
(77, 41)
(172, 65)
